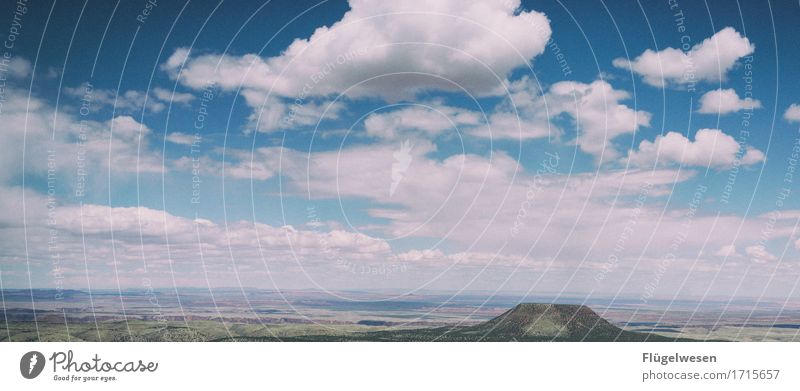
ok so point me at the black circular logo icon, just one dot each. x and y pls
(31, 364)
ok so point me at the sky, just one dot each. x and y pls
(603, 149)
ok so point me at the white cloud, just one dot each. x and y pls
(505, 125)
(759, 254)
(121, 143)
(175, 61)
(388, 49)
(11, 200)
(468, 258)
(129, 223)
(474, 202)
(168, 96)
(272, 114)
(792, 114)
(471, 202)
(18, 68)
(434, 254)
(127, 102)
(393, 47)
(130, 101)
(181, 138)
(710, 148)
(724, 101)
(597, 111)
(523, 114)
(259, 164)
(427, 119)
(726, 251)
(709, 60)
(175, 247)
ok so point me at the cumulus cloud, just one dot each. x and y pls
(709, 60)
(523, 114)
(598, 113)
(710, 148)
(475, 202)
(175, 61)
(131, 223)
(759, 254)
(386, 49)
(126, 102)
(101, 241)
(426, 119)
(130, 101)
(167, 96)
(470, 201)
(127, 148)
(792, 114)
(17, 68)
(595, 108)
(435, 256)
(393, 50)
(70, 144)
(262, 163)
(181, 138)
(726, 251)
(724, 101)
(272, 114)
(11, 200)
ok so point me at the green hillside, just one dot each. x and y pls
(525, 322)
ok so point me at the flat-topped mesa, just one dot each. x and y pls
(551, 321)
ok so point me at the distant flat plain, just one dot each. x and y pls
(228, 314)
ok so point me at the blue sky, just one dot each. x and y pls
(420, 154)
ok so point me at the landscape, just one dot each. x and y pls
(367, 170)
(399, 194)
(219, 315)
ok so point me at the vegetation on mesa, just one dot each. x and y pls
(525, 322)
